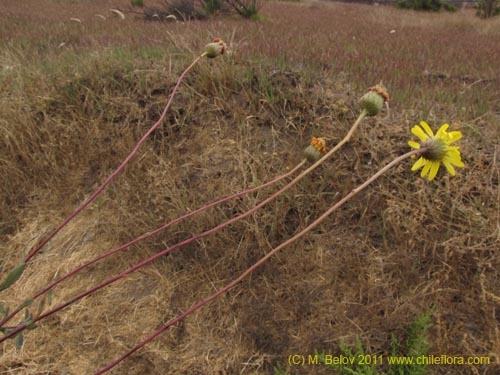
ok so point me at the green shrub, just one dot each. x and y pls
(429, 5)
(172, 10)
(250, 12)
(246, 8)
(488, 8)
(184, 9)
(279, 371)
(449, 7)
(414, 346)
(137, 3)
(212, 6)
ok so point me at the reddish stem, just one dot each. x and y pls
(189, 240)
(118, 170)
(149, 234)
(154, 257)
(261, 260)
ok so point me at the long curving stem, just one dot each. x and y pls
(111, 280)
(33, 252)
(149, 234)
(262, 260)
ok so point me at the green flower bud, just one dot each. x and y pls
(216, 48)
(312, 155)
(373, 101)
(315, 150)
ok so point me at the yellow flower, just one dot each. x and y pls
(438, 150)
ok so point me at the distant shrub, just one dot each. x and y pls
(429, 5)
(449, 7)
(157, 14)
(172, 10)
(137, 3)
(184, 10)
(213, 6)
(246, 8)
(488, 8)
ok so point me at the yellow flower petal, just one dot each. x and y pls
(456, 161)
(418, 164)
(434, 170)
(414, 144)
(426, 168)
(427, 128)
(417, 130)
(453, 137)
(453, 150)
(449, 167)
(453, 156)
(442, 131)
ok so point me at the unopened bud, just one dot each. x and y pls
(315, 150)
(373, 101)
(216, 48)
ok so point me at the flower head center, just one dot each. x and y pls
(319, 144)
(436, 149)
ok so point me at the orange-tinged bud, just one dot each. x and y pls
(315, 150)
(216, 48)
(373, 101)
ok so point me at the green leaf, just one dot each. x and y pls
(19, 341)
(41, 306)
(31, 326)
(25, 304)
(4, 311)
(28, 316)
(13, 276)
(49, 297)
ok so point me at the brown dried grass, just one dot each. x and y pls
(69, 114)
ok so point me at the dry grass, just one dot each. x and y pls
(69, 114)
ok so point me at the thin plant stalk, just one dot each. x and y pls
(111, 280)
(120, 167)
(150, 234)
(263, 259)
